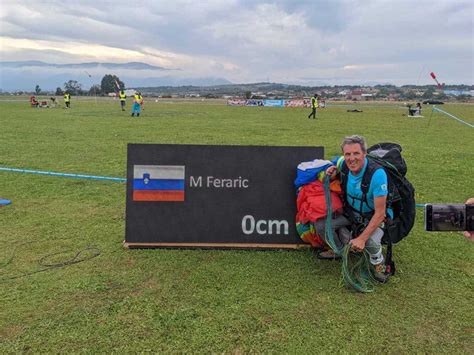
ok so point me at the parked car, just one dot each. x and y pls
(433, 102)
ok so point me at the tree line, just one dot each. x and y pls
(109, 83)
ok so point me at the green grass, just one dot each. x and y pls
(211, 300)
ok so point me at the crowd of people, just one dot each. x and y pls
(137, 103)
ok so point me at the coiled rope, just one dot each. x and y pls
(356, 268)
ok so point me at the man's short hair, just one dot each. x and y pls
(355, 139)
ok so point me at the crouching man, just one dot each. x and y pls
(365, 212)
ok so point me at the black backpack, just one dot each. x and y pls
(400, 198)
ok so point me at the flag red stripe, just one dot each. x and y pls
(158, 195)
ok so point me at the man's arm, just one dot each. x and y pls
(333, 170)
(358, 243)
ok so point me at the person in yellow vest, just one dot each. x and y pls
(123, 99)
(140, 97)
(314, 106)
(67, 99)
(136, 107)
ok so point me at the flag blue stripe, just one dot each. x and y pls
(159, 184)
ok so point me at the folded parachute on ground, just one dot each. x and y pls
(311, 203)
(4, 202)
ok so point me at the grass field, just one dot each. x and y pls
(217, 301)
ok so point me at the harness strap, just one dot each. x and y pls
(389, 263)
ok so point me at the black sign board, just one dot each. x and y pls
(213, 196)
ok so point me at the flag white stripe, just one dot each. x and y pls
(159, 171)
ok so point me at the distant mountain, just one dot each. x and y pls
(25, 75)
(90, 65)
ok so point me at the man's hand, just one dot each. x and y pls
(331, 171)
(469, 234)
(358, 244)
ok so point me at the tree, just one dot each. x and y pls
(94, 90)
(382, 93)
(428, 94)
(109, 84)
(248, 94)
(59, 92)
(37, 90)
(410, 95)
(73, 87)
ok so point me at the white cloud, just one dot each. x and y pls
(86, 52)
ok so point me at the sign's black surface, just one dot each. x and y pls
(213, 194)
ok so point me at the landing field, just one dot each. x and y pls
(217, 301)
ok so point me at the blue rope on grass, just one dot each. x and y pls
(78, 176)
(452, 116)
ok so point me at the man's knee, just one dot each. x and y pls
(376, 237)
(374, 247)
(341, 234)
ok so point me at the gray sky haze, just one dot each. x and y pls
(305, 42)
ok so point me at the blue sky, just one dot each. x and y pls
(299, 42)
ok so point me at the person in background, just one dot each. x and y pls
(416, 111)
(123, 99)
(314, 106)
(67, 99)
(33, 101)
(140, 97)
(136, 107)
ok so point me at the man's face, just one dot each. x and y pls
(354, 157)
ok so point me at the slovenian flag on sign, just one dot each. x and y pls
(158, 183)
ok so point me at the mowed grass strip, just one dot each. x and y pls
(212, 300)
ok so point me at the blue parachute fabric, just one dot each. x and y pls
(334, 161)
(308, 171)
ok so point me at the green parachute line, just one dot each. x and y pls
(356, 267)
(328, 233)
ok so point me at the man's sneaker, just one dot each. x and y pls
(378, 272)
(328, 255)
